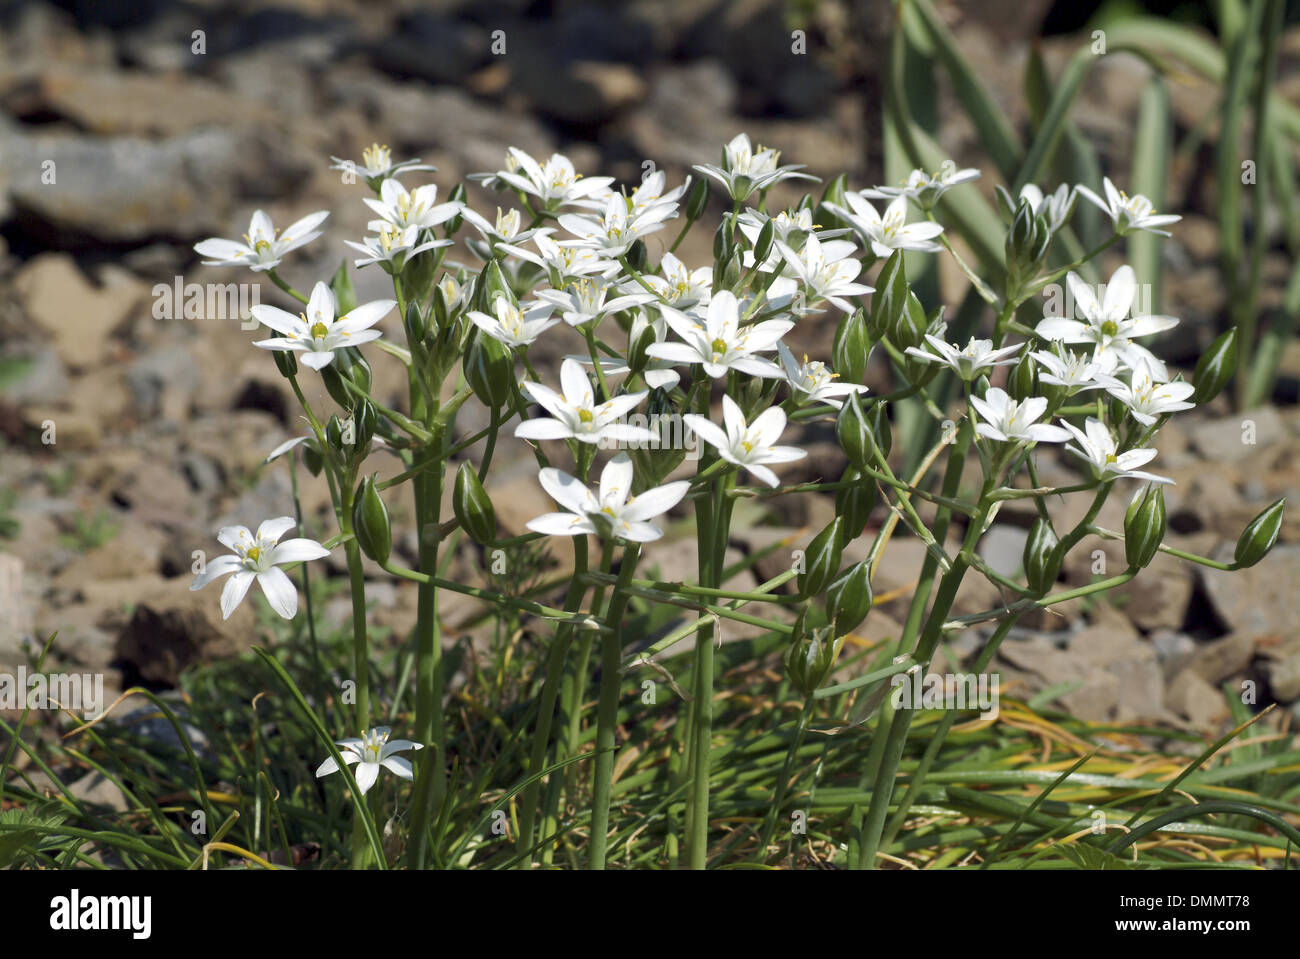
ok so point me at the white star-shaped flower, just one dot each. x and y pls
(1096, 447)
(317, 333)
(577, 415)
(747, 445)
(1003, 419)
(815, 379)
(263, 247)
(369, 753)
(257, 557)
(890, 232)
(613, 513)
(1129, 213)
(720, 343)
(970, 361)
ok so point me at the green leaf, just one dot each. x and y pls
(1148, 176)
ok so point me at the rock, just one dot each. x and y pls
(1261, 601)
(426, 46)
(1192, 697)
(77, 315)
(163, 383)
(17, 612)
(45, 379)
(584, 93)
(172, 628)
(95, 790)
(1216, 661)
(679, 122)
(1003, 548)
(1232, 438)
(1284, 678)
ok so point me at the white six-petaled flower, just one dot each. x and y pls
(1129, 213)
(749, 445)
(317, 333)
(397, 206)
(1147, 397)
(577, 415)
(720, 343)
(971, 360)
(824, 277)
(815, 379)
(377, 163)
(612, 512)
(745, 169)
(890, 232)
(1096, 447)
(258, 557)
(263, 247)
(923, 188)
(513, 325)
(370, 752)
(1004, 420)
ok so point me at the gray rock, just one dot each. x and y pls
(1261, 601)
(1229, 440)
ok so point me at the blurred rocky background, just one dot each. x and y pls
(130, 130)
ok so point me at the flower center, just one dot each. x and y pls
(376, 157)
(1110, 328)
(254, 555)
(719, 347)
(319, 331)
(586, 416)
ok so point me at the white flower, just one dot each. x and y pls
(823, 278)
(376, 163)
(404, 208)
(743, 170)
(562, 263)
(648, 195)
(890, 232)
(554, 183)
(1004, 419)
(925, 188)
(747, 445)
(721, 343)
(576, 413)
(512, 325)
(815, 379)
(1129, 213)
(1097, 448)
(504, 229)
(681, 286)
(583, 300)
(263, 248)
(393, 246)
(317, 333)
(617, 228)
(258, 558)
(1148, 397)
(1108, 327)
(1076, 372)
(370, 753)
(614, 512)
(977, 356)
(1055, 208)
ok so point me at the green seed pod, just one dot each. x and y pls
(849, 598)
(855, 503)
(493, 284)
(1259, 536)
(359, 369)
(853, 430)
(721, 244)
(734, 269)
(334, 436)
(489, 369)
(698, 200)
(285, 362)
(1215, 368)
(763, 245)
(370, 522)
(810, 658)
(1144, 526)
(1041, 559)
(881, 428)
(822, 558)
(473, 508)
(852, 347)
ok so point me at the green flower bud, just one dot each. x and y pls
(1215, 367)
(698, 200)
(1041, 559)
(852, 347)
(763, 245)
(853, 430)
(473, 508)
(636, 256)
(312, 459)
(416, 322)
(639, 340)
(1144, 526)
(855, 503)
(489, 369)
(834, 194)
(889, 302)
(334, 436)
(333, 380)
(1260, 535)
(734, 269)
(881, 428)
(849, 598)
(1023, 381)
(651, 461)
(721, 243)
(822, 558)
(810, 658)
(285, 362)
(370, 522)
(492, 284)
(364, 419)
(358, 369)
(345, 294)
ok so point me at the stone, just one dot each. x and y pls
(78, 316)
(96, 790)
(1232, 438)
(1218, 660)
(1261, 601)
(1192, 697)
